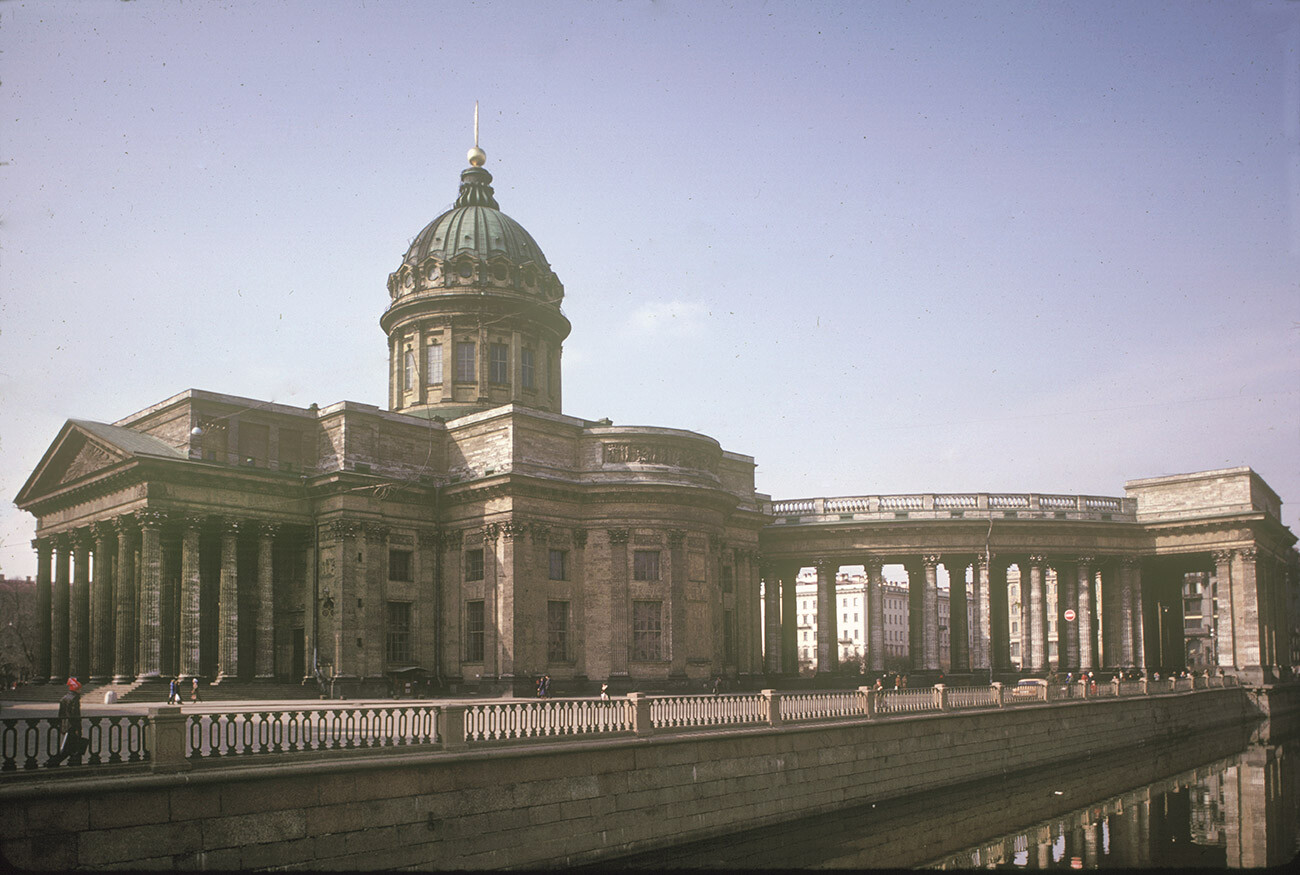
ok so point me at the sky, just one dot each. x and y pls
(882, 247)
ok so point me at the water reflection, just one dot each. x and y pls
(1216, 801)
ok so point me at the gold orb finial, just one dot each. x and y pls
(476, 157)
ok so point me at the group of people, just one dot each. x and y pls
(174, 691)
(899, 683)
(544, 687)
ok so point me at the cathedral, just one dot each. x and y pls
(473, 537)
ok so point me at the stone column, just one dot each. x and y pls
(150, 595)
(981, 634)
(1067, 633)
(1139, 614)
(79, 632)
(959, 656)
(619, 621)
(44, 608)
(999, 620)
(875, 614)
(678, 637)
(1126, 613)
(228, 603)
(915, 613)
(189, 597)
(101, 632)
(771, 617)
(124, 578)
(1246, 613)
(930, 613)
(264, 665)
(789, 619)
(1037, 619)
(59, 619)
(1084, 588)
(827, 618)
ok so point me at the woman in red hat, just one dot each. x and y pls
(69, 725)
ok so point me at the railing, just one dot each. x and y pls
(937, 505)
(268, 732)
(689, 712)
(168, 739)
(549, 718)
(29, 742)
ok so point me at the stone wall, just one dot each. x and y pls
(562, 803)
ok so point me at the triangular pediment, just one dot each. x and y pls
(80, 452)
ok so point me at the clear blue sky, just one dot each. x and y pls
(880, 246)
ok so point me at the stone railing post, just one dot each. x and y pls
(1115, 682)
(940, 697)
(641, 723)
(1083, 686)
(1049, 692)
(997, 694)
(772, 698)
(168, 746)
(867, 701)
(451, 727)
(1145, 686)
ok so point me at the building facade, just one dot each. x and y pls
(475, 534)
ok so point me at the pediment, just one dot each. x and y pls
(74, 456)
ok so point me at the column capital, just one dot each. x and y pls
(150, 519)
(618, 536)
(62, 540)
(375, 533)
(43, 546)
(872, 563)
(125, 525)
(676, 538)
(268, 529)
(765, 565)
(1037, 559)
(104, 529)
(82, 538)
(1248, 554)
(1130, 562)
(1085, 560)
(541, 532)
(514, 528)
(580, 538)
(192, 522)
(980, 561)
(489, 533)
(1222, 556)
(230, 525)
(930, 560)
(343, 528)
(716, 543)
(826, 565)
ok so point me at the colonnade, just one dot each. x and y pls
(121, 600)
(1103, 630)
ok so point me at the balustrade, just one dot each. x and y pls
(212, 735)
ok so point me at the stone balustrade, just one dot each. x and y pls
(172, 739)
(931, 505)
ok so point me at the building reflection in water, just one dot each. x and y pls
(1236, 812)
(1214, 801)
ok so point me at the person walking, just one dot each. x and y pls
(174, 692)
(194, 690)
(73, 745)
(604, 692)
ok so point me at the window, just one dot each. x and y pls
(647, 630)
(290, 449)
(399, 632)
(254, 443)
(645, 565)
(527, 373)
(558, 563)
(557, 632)
(473, 564)
(465, 369)
(399, 565)
(408, 369)
(434, 364)
(498, 363)
(474, 631)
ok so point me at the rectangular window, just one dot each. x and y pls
(498, 363)
(434, 364)
(254, 443)
(408, 369)
(399, 632)
(465, 362)
(645, 565)
(290, 449)
(527, 372)
(399, 565)
(558, 562)
(474, 631)
(473, 564)
(557, 632)
(647, 631)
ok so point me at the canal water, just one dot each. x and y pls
(1220, 800)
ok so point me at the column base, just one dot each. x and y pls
(123, 679)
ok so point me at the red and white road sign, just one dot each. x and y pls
(1069, 616)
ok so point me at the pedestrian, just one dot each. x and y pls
(717, 685)
(898, 682)
(539, 688)
(604, 692)
(546, 686)
(174, 692)
(194, 690)
(73, 745)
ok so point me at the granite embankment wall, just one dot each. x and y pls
(563, 802)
